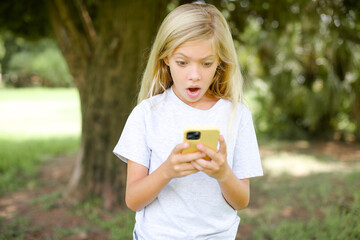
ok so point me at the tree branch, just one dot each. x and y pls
(62, 10)
(87, 23)
(72, 43)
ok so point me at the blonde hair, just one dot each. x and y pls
(190, 22)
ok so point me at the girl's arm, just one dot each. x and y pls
(235, 191)
(142, 188)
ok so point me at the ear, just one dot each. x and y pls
(166, 61)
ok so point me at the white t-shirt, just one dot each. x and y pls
(191, 207)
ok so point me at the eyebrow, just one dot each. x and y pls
(210, 56)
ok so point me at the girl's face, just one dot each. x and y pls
(192, 67)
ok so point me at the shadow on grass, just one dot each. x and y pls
(21, 159)
(307, 193)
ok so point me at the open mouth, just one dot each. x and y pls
(193, 92)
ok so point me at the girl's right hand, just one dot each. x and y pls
(142, 188)
(178, 164)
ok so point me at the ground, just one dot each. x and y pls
(46, 218)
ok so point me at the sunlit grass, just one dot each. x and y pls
(298, 165)
(35, 125)
(39, 112)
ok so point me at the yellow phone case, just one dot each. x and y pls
(209, 136)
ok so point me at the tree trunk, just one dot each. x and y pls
(106, 54)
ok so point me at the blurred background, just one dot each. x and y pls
(69, 73)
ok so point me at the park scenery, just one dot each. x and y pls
(69, 77)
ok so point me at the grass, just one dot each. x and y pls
(303, 195)
(16, 230)
(320, 206)
(119, 225)
(35, 125)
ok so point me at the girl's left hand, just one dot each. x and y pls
(217, 167)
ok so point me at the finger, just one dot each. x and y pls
(187, 167)
(178, 148)
(222, 147)
(208, 151)
(201, 164)
(189, 172)
(191, 156)
(197, 166)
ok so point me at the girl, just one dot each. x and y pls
(192, 78)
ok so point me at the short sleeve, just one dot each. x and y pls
(132, 144)
(247, 161)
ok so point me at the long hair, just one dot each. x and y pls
(190, 22)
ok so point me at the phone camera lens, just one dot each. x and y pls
(193, 135)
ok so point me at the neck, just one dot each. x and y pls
(207, 103)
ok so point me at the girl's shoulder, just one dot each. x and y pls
(240, 111)
(240, 108)
(244, 113)
(148, 104)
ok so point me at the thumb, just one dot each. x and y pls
(178, 148)
(222, 147)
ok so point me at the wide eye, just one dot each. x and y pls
(207, 64)
(181, 63)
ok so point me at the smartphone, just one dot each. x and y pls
(209, 136)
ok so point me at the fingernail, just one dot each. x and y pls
(199, 146)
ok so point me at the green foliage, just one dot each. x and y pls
(28, 19)
(38, 63)
(46, 68)
(300, 60)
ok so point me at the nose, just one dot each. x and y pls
(194, 73)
